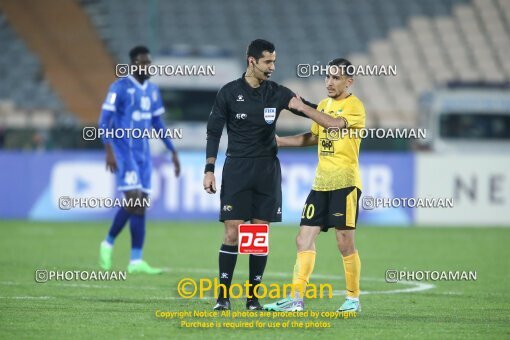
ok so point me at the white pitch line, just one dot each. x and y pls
(84, 285)
(420, 287)
(27, 297)
(81, 285)
(161, 298)
(169, 298)
(416, 286)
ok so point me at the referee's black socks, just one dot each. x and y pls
(257, 267)
(227, 261)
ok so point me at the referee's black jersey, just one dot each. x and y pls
(250, 115)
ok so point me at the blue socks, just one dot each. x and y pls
(137, 227)
(118, 224)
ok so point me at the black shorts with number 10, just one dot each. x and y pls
(251, 188)
(332, 209)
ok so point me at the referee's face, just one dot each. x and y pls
(264, 67)
(337, 83)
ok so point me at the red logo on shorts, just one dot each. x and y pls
(253, 239)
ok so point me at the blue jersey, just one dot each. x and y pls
(130, 105)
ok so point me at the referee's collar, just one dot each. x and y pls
(248, 87)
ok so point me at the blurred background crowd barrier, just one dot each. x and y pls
(453, 74)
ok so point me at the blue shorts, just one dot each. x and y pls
(134, 175)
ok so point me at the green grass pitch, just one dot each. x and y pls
(126, 309)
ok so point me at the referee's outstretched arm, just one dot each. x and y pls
(215, 125)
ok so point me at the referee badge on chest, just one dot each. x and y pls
(269, 114)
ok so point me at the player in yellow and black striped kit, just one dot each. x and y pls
(333, 200)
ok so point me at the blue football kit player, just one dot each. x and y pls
(132, 108)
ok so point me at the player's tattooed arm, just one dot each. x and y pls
(304, 139)
(320, 118)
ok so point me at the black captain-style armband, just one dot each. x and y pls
(209, 167)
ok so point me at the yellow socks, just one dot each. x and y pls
(305, 262)
(352, 268)
(302, 270)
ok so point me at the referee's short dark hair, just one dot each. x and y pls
(257, 47)
(136, 51)
(344, 65)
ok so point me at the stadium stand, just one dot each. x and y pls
(72, 55)
(430, 42)
(26, 99)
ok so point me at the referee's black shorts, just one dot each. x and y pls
(251, 188)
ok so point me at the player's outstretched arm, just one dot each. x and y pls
(288, 94)
(304, 139)
(320, 118)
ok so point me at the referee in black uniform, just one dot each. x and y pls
(251, 182)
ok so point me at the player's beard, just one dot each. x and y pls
(336, 95)
(143, 77)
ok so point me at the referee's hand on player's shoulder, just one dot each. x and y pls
(209, 183)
